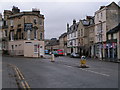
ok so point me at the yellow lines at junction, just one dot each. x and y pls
(21, 79)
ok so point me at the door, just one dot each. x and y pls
(71, 50)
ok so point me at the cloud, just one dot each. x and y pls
(57, 14)
(58, 0)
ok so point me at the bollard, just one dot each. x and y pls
(83, 62)
(52, 58)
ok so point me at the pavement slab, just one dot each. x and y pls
(8, 77)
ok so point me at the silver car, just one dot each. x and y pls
(74, 55)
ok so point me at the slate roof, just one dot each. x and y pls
(85, 22)
(73, 28)
(53, 43)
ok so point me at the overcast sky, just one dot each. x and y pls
(57, 14)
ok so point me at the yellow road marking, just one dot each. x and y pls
(27, 85)
(17, 74)
(20, 73)
(23, 85)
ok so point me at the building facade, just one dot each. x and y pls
(1, 23)
(52, 45)
(106, 18)
(113, 44)
(63, 43)
(72, 37)
(90, 29)
(86, 36)
(21, 29)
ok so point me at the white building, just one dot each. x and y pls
(72, 37)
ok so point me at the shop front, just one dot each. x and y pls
(111, 51)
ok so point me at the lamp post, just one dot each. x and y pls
(101, 40)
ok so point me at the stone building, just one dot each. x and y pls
(91, 36)
(23, 29)
(52, 45)
(83, 33)
(1, 23)
(72, 37)
(106, 18)
(63, 43)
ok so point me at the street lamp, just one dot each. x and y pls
(100, 36)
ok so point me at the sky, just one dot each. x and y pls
(57, 12)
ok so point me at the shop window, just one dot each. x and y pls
(114, 36)
(109, 37)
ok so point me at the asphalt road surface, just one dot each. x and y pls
(63, 73)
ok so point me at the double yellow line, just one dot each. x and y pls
(21, 78)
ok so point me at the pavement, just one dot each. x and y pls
(8, 77)
(63, 73)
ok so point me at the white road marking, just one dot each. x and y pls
(88, 70)
(69, 66)
(96, 72)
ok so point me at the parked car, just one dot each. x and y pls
(74, 55)
(46, 52)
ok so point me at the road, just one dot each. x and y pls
(63, 73)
